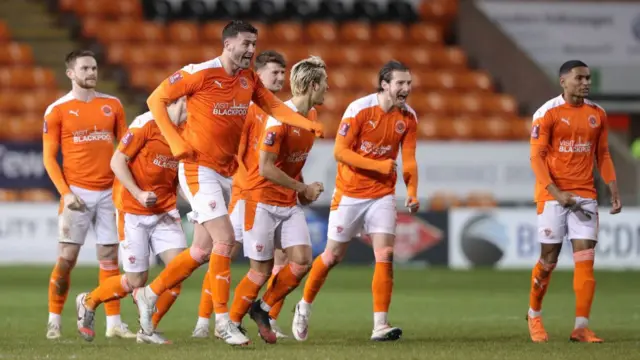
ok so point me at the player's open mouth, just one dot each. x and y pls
(402, 97)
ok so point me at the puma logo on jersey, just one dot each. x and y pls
(296, 131)
(565, 121)
(74, 112)
(218, 83)
(373, 123)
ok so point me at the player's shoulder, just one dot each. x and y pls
(208, 68)
(548, 106)
(142, 121)
(271, 121)
(409, 113)
(66, 98)
(109, 100)
(595, 106)
(360, 105)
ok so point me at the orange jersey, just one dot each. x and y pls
(370, 136)
(217, 106)
(85, 132)
(152, 165)
(565, 142)
(292, 145)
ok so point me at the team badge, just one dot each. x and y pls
(127, 138)
(344, 129)
(535, 132)
(270, 139)
(401, 126)
(244, 83)
(177, 76)
(106, 110)
(592, 121)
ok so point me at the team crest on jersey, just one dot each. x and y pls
(535, 131)
(177, 76)
(244, 83)
(344, 129)
(45, 128)
(401, 126)
(106, 110)
(270, 138)
(127, 138)
(593, 122)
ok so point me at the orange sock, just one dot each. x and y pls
(245, 293)
(115, 287)
(206, 303)
(275, 310)
(584, 283)
(164, 303)
(220, 276)
(108, 269)
(59, 284)
(382, 284)
(317, 276)
(284, 283)
(540, 277)
(178, 269)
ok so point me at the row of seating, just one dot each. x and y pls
(286, 32)
(28, 195)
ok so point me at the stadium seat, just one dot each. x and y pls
(27, 78)
(480, 199)
(390, 32)
(37, 195)
(286, 33)
(182, 32)
(322, 32)
(119, 9)
(16, 54)
(5, 35)
(425, 34)
(351, 32)
(8, 195)
(443, 200)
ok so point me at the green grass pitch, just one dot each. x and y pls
(444, 314)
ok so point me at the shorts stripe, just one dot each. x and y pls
(191, 174)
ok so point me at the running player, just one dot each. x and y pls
(271, 214)
(145, 194)
(369, 138)
(218, 95)
(569, 133)
(270, 67)
(83, 125)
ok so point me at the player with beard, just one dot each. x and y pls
(270, 67)
(372, 131)
(83, 125)
(569, 135)
(218, 95)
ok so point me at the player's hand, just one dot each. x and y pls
(313, 191)
(147, 198)
(317, 129)
(565, 199)
(74, 203)
(389, 166)
(412, 204)
(616, 204)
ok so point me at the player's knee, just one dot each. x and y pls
(136, 280)
(107, 252)
(549, 253)
(66, 264)
(223, 248)
(199, 254)
(331, 258)
(126, 284)
(175, 291)
(258, 277)
(384, 254)
(237, 246)
(299, 270)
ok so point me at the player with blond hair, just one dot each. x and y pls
(218, 94)
(569, 135)
(372, 131)
(145, 195)
(272, 216)
(270, 67)
(83, 125)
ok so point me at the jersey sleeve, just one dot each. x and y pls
(603, 156)
(273, 136)
(540, 142)
(51, 139)
(409, 164)
(134, 140)
(121, 122)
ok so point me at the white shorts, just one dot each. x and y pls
(267, 227)
(236, 220)
(73, 226)
(207, 191)
(555, 222)
(142, 234)
(370, 216)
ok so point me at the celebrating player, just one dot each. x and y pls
(372, 131)
(270, 67)
(145, 195)
(271, 214)
(569, 132)
(83, 125)
(219, 92)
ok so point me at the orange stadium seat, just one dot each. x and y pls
(422, 34)
(183, 32)
(520, 129)
(147, 79)
(16, 54)
(322, 32)
(337, 101)
(474, 80)
(8, 195)
(211, 32)
(392, 32)
(5, 34)
(480, 199)
(500, 104)
(418, 58)
(25, 78)
(21, 102)
(128, 30)
(443, 200)
(286, 32)
(331, 122)
(37, 195)
(438, 10)
(357, 31)
(493, 128)
(119, 9)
